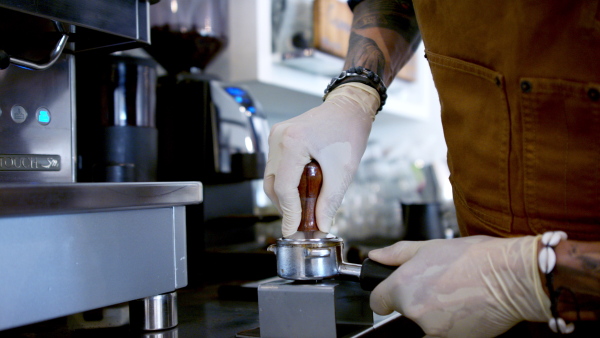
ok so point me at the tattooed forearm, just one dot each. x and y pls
(581, 256)
(384, 35)
(398, 16)
(365, 52)
(578, 272)
(591, 264)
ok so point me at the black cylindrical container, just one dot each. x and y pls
(422, 221)
(116, 103)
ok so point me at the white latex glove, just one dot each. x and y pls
(476, 286)
(335, 134)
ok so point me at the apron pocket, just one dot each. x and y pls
(476, 124)
(561, 135)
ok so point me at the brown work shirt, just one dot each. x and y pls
(519, 86)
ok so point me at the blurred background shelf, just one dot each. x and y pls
(288, 82)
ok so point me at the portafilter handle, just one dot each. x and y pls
(369, 274)
(372, 273)
(309, 189)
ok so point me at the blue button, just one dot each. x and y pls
(235, 91)
(43, 116)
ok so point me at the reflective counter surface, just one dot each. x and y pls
(203, 312)
(20, 199)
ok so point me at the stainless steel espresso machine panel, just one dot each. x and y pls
(37, 110)
(68, 247)
(37, 141)
(95, 20)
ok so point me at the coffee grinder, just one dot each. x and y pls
(209, 130)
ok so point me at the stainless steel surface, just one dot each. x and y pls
(242, 127)
(309, 235)
(172, 333)
(32, 150)
(308, 259)
(154, 313)
(116, 23)
(108, 317)
(325, 309)
(57, 265)
(70, 247)
(30, 199)
(37, 108)
(350, 269)
(312, 255)
(52, 58)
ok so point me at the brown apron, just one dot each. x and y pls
(519, 86)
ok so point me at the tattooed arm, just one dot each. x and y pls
(578, 270)
(335, 134)
(384, 36)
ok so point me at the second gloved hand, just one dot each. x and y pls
(335, 135)
(468, 287)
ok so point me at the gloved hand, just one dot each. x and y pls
(476, 286)
(335, 135)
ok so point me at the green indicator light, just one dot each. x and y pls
(44, 116)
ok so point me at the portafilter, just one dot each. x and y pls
(310, 254)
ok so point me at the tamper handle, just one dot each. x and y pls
(309, 188)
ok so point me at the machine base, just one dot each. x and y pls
(58, 265)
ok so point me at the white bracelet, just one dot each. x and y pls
(547, 262)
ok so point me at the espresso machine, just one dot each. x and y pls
(69, 246)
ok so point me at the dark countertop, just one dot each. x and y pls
(200, 312)
(209, 311)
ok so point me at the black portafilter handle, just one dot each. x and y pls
(372, 273)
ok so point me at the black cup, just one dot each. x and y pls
(422, 221)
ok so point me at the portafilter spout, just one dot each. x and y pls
(310, 254)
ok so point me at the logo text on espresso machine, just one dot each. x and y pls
(29, 162)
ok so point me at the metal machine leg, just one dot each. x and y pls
(154, 313)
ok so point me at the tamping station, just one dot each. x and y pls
(310, 301)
